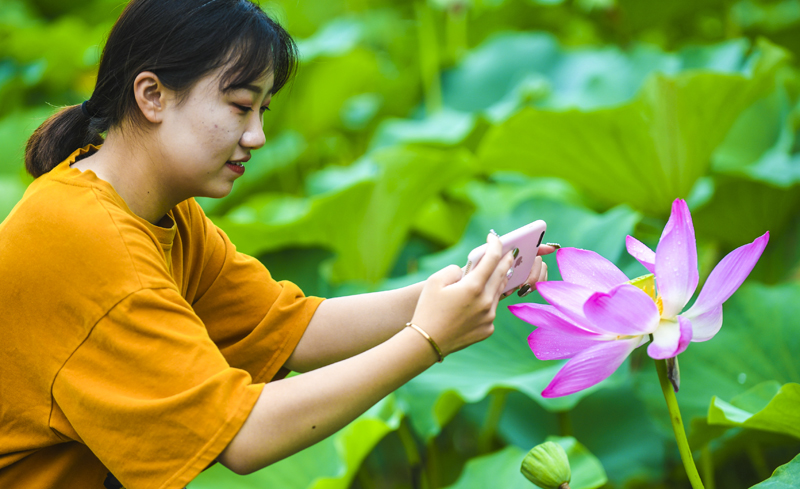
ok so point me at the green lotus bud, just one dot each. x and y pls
(547, 466)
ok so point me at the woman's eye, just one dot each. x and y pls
(264, 109)
(243, 108)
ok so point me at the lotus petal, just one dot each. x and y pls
(727, 276)
(552, 344)
(624, 310)
(590, 366)
(546, 316)
(676, 261)
(641, 252)
(568, 298)
(704, 325)
(587, 268)
(671, 338)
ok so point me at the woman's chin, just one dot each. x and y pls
(217, 192)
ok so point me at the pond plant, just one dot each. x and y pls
(597, 316)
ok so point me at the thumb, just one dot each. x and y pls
(446, 276)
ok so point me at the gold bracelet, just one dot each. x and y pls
(430, 340)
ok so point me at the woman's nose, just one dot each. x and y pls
(253, 136)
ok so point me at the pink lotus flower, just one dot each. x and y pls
(597, 317)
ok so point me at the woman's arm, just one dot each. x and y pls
(346, 326)
(297, 412)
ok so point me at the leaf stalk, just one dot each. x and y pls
(707, 466)
(496, 405)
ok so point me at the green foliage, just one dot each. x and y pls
(646, 152)
(502, 469)
(767, 406)
(499, 469)
(784, 477)
(413, 128)
(587, 473)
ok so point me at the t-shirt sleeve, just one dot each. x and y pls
(150, 394)
(255, 320)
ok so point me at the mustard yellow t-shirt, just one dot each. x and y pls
(128, 348)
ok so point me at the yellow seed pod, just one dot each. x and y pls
(547, 466)
(646, 283)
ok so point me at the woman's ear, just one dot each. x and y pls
(150, 96)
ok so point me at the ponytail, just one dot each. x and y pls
(59, 137)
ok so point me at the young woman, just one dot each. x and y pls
(138, 346)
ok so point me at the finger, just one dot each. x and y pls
(530, 282)
(499, 295)
(535, 270)
(498, 280)
(542, 277)
(446, 276)
(546, 249)
(506, 294)
(525, 290)
(488, 263)
(511, 291)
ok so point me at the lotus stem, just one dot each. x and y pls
(677, 425)
(707, 466)
(497, 403)
(759, 462)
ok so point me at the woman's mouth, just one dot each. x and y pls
(236, 167)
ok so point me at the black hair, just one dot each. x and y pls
(180, 41)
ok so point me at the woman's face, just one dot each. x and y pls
(205, 139)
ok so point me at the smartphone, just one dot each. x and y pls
(527, 239)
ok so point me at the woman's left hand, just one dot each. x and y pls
(538, 273)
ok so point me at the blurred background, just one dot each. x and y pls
(412, 128)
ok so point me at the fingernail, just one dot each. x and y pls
(528, 292)
(492, 231)
(523, 291)
(515, 252)
(554, 245)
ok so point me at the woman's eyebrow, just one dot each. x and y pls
(248, 86)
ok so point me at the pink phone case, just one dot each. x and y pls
(527, 239)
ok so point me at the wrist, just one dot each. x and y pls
(429, 339)
(421, 347)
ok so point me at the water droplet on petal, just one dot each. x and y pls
(742, 378)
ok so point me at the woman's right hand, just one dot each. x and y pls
(457, 313)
